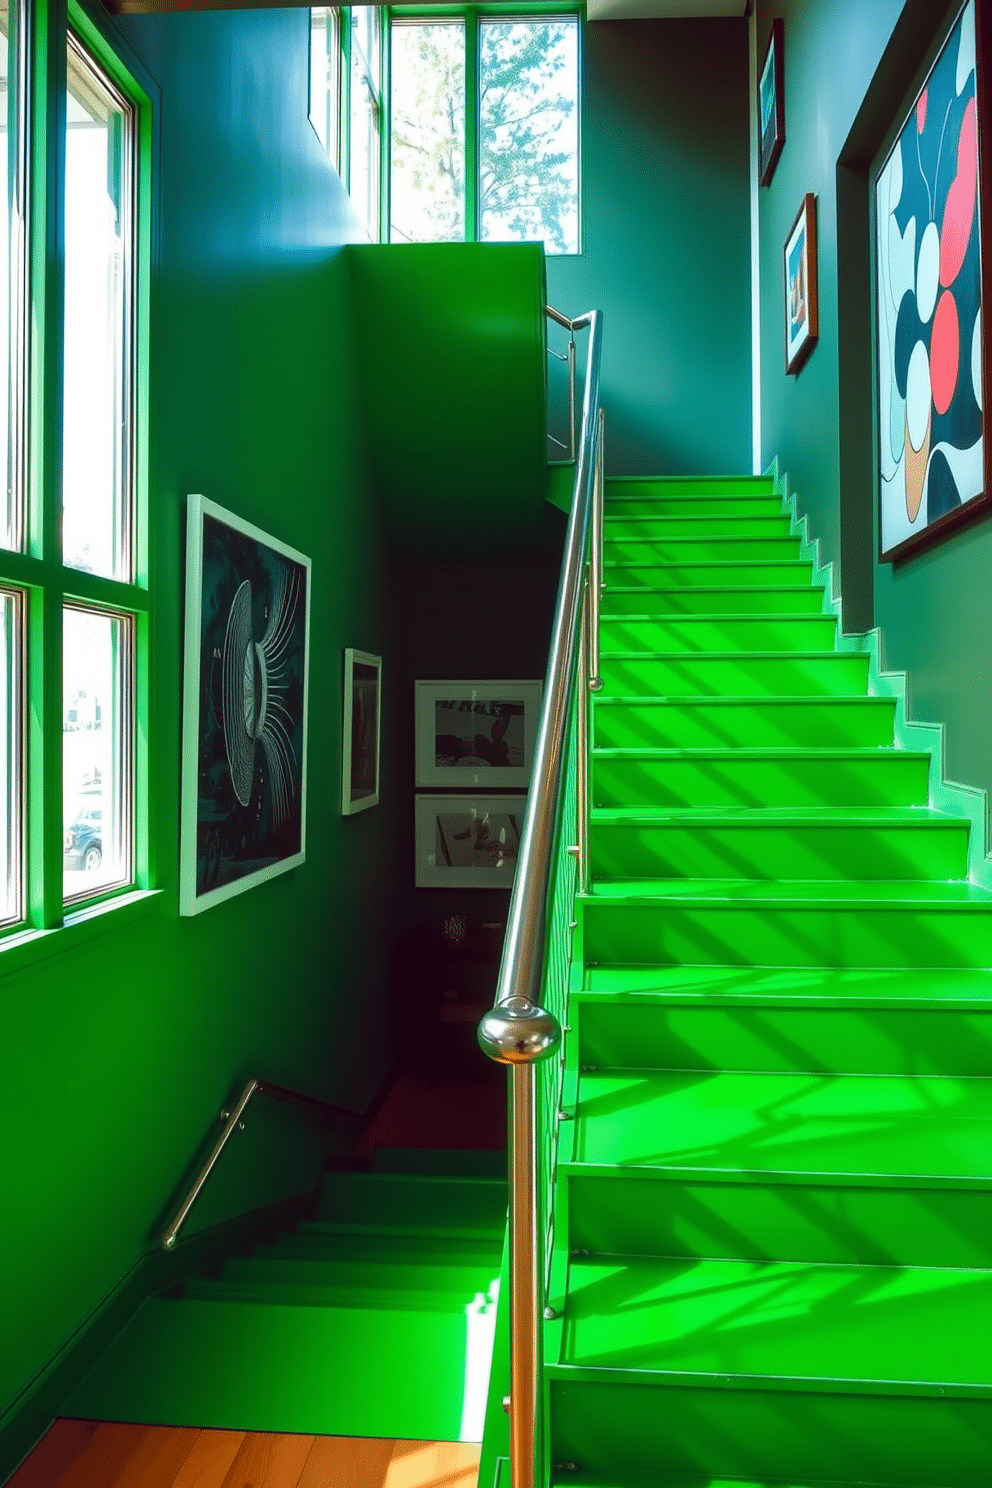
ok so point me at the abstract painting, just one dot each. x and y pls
(931, 365)
(362, 719)
(802, 315)
(471, 734)
(245, 709)
(771, 105)
(467, 842)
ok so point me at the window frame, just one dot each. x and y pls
(37, 570)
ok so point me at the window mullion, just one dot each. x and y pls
(472, 23)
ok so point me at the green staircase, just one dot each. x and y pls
(773, 1202)
(374, 1318)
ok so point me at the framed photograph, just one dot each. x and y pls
(771, 106)
(244, 777)
(930, 208)
(471, 734)
(802, 319)
(362, 717)
(467, 842)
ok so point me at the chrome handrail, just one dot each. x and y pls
(232, 1122)
(518, 1031)
(571, 326)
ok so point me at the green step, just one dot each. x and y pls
(840, 1329)
(652, 1030)
(354, 1274)
(771, 599)
(744, 922)
(753, 777)
(674, 522)
(777, 843)
(955, 990)
(290, 1294)
(719, 633)
(853, 1130)
(730, 503)
(663, 487)
(741, 551)
(740, 572)
(751, 674)
(719, 722)
(336, 1371)
(415, 1203)
(408, 1246)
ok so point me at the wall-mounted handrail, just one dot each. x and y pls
(232, 1122)
(519, 1031)
(569, 358)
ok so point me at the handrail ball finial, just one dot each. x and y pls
(517, 1031)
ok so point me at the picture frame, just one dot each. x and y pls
(245, 698)
(467, 841)
(930, 207)
(361, 730)
(771, 105)
(475, 734)
(802, 315)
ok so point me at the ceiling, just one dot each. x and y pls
(638, 10)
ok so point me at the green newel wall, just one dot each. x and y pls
(848, 66)
(117, 1054)
(666, 231)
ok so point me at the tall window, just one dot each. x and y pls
(73, 575)
(325, 79)
(365, 114)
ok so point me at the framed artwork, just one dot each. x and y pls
(932, 362)
(244, 780)
(471, 734)
(362, 719)
(771, 106)
(802, 319)
(467, 842)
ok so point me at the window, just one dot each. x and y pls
(325, 79)
(73, 567)
(484, 140)
(365, 114)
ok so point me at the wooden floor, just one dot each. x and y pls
(102, 1454)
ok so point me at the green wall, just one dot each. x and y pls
(848, 67)
(117, 1053)
(666, 241)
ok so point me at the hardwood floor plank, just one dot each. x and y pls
(210, 1460)
(417, 1464)
(62, 1446)
(347, 1462)
(104, 1454)
(155, 1455)
(268, 1459)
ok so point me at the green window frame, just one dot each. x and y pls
(33, 569)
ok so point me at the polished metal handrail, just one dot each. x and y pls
(232, 1122)
(569, 358)
(519, 1031)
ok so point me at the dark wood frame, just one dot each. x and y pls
(807, 217)
(979, 506)
(768, 159)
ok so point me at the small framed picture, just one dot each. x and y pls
(771, 105)
(467, 842)
(802, 321)
(471, 734)
(362, 717)
(244, 777)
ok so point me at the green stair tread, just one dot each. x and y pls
(289, 1294)
(815, 1127)
(340, 1372)
(778, 816)
(444, 1203)
(876, 1329)
(965, 988)
(954, 896)
(745, 753)
(313, 1240)
(461, 1162)
(355, 1273)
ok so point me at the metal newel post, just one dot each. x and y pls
(582, 741)
(571, 397)
(525, 1286)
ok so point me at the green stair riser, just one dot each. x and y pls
(662, 504)
(682, 572)
(614, 1033)
(800, 1437)
(876, 989)
(323, 1242)
(648, 934)
(658, 488)
(641, 527)
(759, 849)
(634, 1214)
(376, 1273)
(732, 778)
(285, 1294)
(780, 599)
(740, 675)
(883, 1327)
(744, 551)
(720, 633)
(456, 1203)
(715, 723)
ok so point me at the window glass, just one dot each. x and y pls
(528, 132)
(11, 733)
(96, 445)
(12, 295)
(325, 74)
(97, 707)
(365, 116)
(427, 145)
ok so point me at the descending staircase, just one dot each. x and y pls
(375, 1318)
(773, 1210)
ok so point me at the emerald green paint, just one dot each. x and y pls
(684, 570)
(715, 722)
(451, 348)
(700, 548)
(704, 632)
(734, 674)
(773, 599)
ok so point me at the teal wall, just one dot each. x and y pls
(848, 66)
(118, 1053)
(666, 241)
